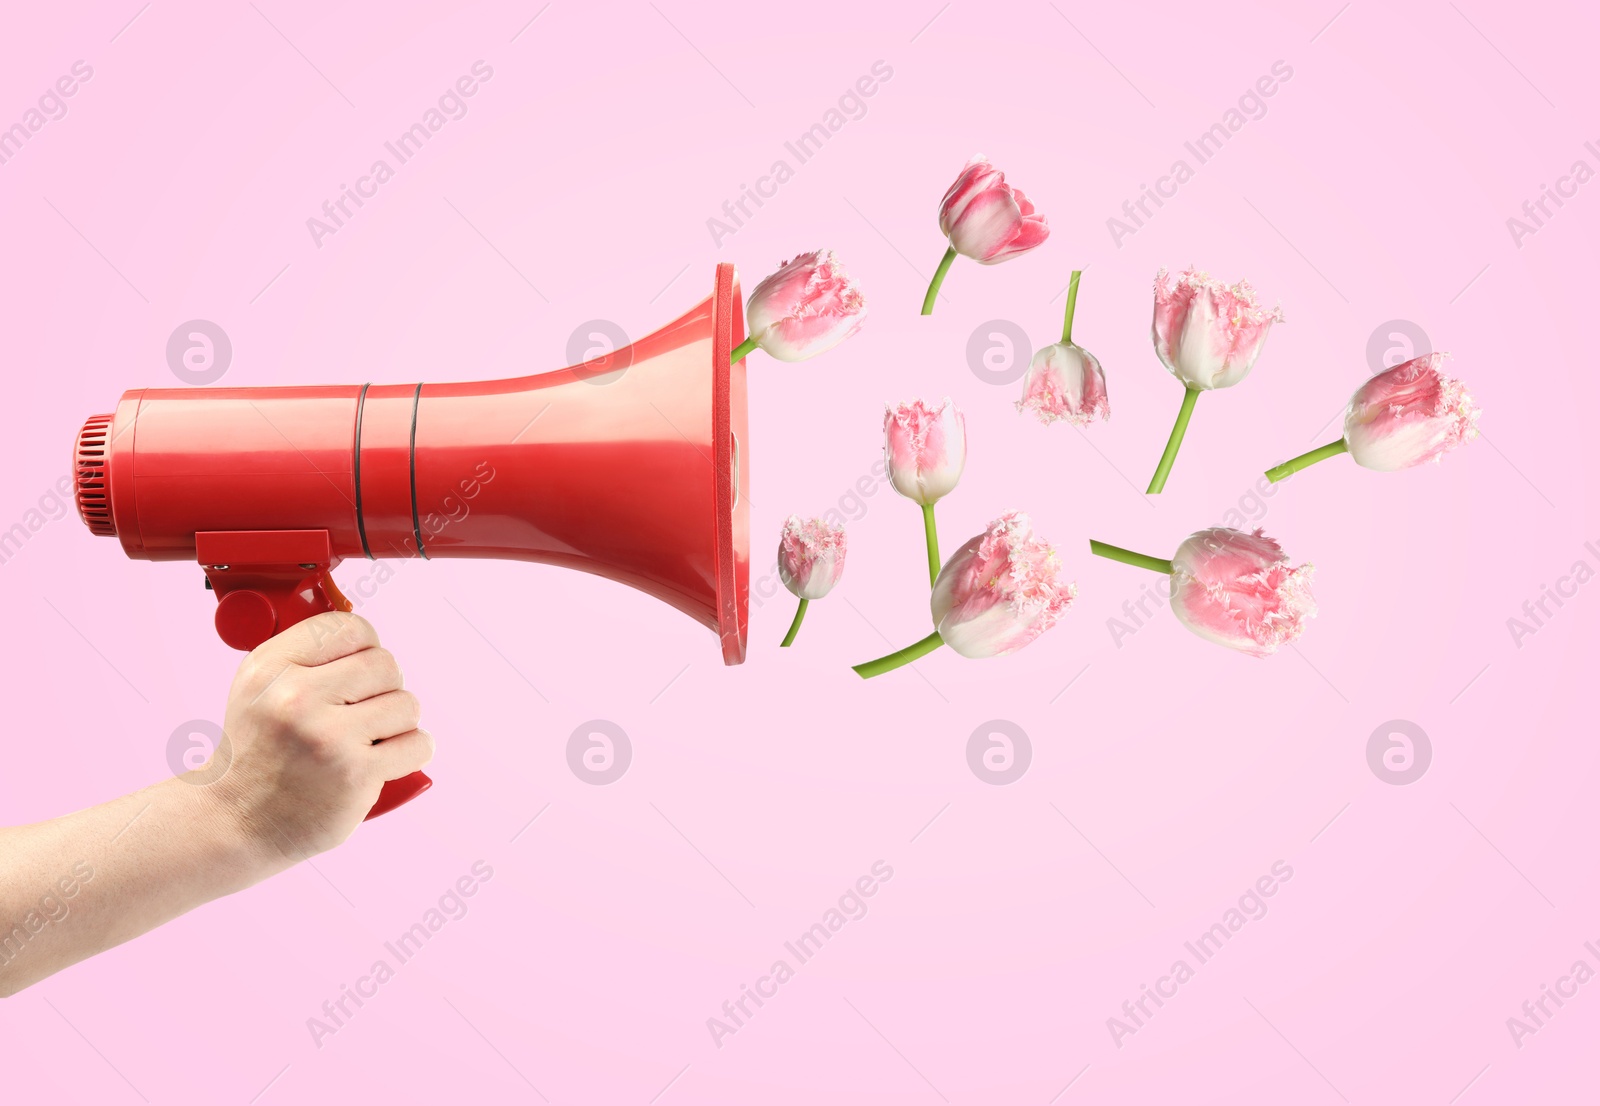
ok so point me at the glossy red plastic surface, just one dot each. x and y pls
(634, 467)
(626, 467)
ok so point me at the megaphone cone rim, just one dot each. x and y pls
(730, 425)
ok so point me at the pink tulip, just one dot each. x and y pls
(1233, 588)
(805, 308)
(985, 219)
(988, 220)
(1238, 590)
(810, 556)
(1409, 415)
(1208, 335)
(1000, 590)
(1405, 416)
(997, 593)
(924, 450)
(810, 562)
(1064, 381)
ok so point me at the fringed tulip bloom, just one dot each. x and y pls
(924, 451)
(1208, 334)
(997, 593)
(1000, 590)
(1409, 415)
(1239, 590)
(985, 219)
(1233, 588)
(805, 308)
(1064, 381)
(810, 561)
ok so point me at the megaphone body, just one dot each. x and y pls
(632, 466)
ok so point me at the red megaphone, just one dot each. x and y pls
(632, 466)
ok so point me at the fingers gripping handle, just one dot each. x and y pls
(267, 581)
(395, 792)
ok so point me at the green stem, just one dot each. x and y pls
(1306, 460)
(743, 350)
(1129, 557)
(1072, 305)
(1159, 480)
(933, 542)
(794, 627)
(894, 660)
(938, 279)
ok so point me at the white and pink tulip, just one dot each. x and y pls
(1233, 588)
(1064, 381)
(996, 594)
(985, 219)
(805, 308)
(924, 452)
(1208, 334)
(1410, 415)
(811, 556)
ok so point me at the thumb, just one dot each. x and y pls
(318, 640)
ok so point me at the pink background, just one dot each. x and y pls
(1164, 781)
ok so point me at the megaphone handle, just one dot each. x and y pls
(395, 792)
(256, 601)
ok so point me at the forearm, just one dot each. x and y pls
(317, 720)
(78, 885)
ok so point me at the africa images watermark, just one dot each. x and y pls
(1252, 905)
(50, 106)
(454, 509)
(999, 752)
(451, 906)
(452, 104)
(199, 352)
(1537, 612)
(851, 106)
(1537, 211)
(850, 906)
(599, 752)
(52, 910)
(1536, 1012)
(54, 503)
(1250, 106)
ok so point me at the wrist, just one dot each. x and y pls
(238, 848)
